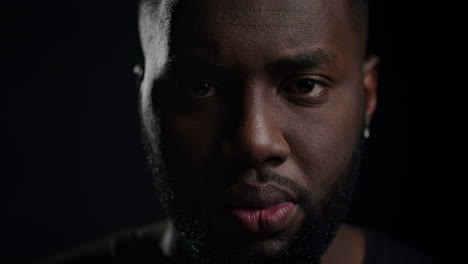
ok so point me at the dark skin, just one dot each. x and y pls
(254, 88)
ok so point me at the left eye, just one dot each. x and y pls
(199, 89)
(304, 87)
(202, 89)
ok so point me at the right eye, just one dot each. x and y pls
(199, 89)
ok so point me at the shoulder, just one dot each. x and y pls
(140, 244)
(383, 250)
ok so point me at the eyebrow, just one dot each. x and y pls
(314, 59)
(181, 64)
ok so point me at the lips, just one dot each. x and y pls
(259, 209)
(266, 221)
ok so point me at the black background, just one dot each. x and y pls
(72, 164)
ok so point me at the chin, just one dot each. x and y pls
(261, 248)
(260, 251)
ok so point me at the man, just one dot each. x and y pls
(254, 113)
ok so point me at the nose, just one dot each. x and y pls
(255, 139)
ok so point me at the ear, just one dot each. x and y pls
(370, 82)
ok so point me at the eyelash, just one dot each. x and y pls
(295, 79)
(316, 95)
(286, 87)
(188, 87)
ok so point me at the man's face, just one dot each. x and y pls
(261, 109)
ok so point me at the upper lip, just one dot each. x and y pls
(256, 196)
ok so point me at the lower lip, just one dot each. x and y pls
(268, 220)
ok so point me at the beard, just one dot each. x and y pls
(307, 245)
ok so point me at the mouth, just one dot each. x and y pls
(263, 221)
(260, 210)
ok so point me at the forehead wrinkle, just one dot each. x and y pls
(231, 24)
(246, 15)
(264, 18)
(261, 30)
(266, 5)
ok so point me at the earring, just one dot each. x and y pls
(366, 133)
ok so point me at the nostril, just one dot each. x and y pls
(235, 155)
(274, 161)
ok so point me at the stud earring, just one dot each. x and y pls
(366, 133)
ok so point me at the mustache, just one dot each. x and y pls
(274, 177)
(268, 183)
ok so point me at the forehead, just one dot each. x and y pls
(249, 32)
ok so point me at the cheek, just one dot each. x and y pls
(322, 140)
(190, 141)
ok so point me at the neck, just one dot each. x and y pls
(348, 247)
